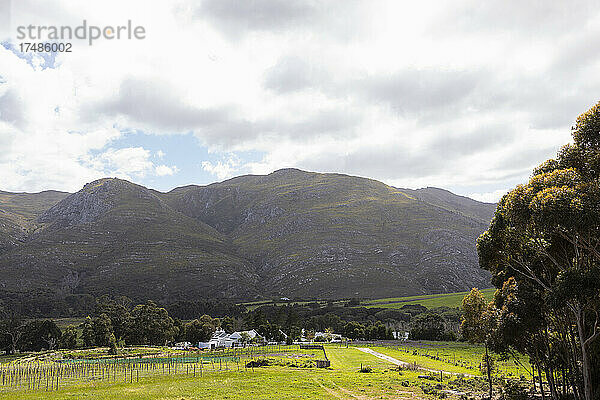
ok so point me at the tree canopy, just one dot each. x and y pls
(543, 250)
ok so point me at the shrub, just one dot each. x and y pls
(296, 363)
(259, 362)
(513, 390)
(112, 344)
(428, 389)
(409, 367)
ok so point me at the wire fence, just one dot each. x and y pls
(39, 375)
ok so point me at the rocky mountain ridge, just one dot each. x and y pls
(291, 233)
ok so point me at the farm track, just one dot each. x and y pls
(395, 361)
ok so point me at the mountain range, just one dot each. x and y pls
(289, 234)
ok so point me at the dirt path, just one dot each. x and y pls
(395, 361)
(339, 392)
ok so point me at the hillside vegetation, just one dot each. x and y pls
(291, 233)
(18, 212)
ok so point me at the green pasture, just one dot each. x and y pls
(284, 378)
(429, 301)
(457, 357)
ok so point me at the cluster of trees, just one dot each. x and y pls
(432, 326)
(356, 330)
(145, 324)
(543, 250)
(190, 309)
(442, 323)
(43, 304)
(151, 324)
(352, 330)
(114, 323)
(31, 336)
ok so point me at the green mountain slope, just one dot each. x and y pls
(120, 238)
(290, 233)
(332, 235)
(18, 210)
(453, 203)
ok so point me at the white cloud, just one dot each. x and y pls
(414, 94)
(489, 197)
(222, 169)
(127, 162)
(165, 170)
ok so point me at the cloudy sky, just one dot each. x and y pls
(464, 95)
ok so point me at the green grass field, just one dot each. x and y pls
(454, 357)
(272, 383)
(429, 301)
(342, 381)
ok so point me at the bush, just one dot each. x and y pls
(428, 389)
(283, 362)
(409, 367)
(296, 363)
(68, 339)
(366, 369)
(483, 366)
(112, 344)
(513, 390)
(259, 362)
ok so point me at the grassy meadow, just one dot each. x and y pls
(453, 300)
(290, 374)
(456, 357)
(430, 301)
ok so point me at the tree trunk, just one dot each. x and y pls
(551, 383)
(585, 358)
(533, 378)
(587, 379)
(574, 365)
(541, 383)
(489, 369)
(564, 382)
(13, 343)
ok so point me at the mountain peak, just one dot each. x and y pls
(93, 200)
(105, 184)
(290, 171)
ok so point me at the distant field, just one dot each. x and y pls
(429, 301)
